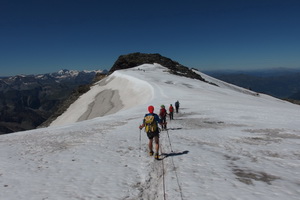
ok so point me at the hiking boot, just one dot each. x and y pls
(156, 156)
(151, 153)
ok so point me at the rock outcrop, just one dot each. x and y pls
(136, 59)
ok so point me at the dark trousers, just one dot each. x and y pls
(171, 115)
(164, 123)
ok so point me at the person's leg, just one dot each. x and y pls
(156, 138)
(165, 122)
(162, 123)
(150, 145)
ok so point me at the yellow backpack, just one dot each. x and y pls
(150, 124)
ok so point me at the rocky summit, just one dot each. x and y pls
(136, 59)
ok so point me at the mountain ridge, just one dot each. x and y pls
(69, 85)
(65, 81)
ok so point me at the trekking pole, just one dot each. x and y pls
(140, 143)
(169, 141)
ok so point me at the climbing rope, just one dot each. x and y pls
(163, 173)
(176, 174)
(170, 141)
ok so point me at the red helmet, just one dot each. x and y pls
(150, 109)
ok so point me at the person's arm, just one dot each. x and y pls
(157, 118)
(143, 124)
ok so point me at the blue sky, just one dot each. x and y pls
(44, 36)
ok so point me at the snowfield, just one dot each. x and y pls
(226, 143)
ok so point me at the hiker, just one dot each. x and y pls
(163, 116)
(171, 111)
(177, 106)
(150, 122)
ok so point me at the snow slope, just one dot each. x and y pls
(225, 143)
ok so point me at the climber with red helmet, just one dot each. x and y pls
(150, 122)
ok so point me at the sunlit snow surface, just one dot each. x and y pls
(225, 143)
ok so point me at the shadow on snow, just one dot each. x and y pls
(174, 154)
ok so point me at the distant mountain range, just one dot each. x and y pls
(26, 101)
(282, 83)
